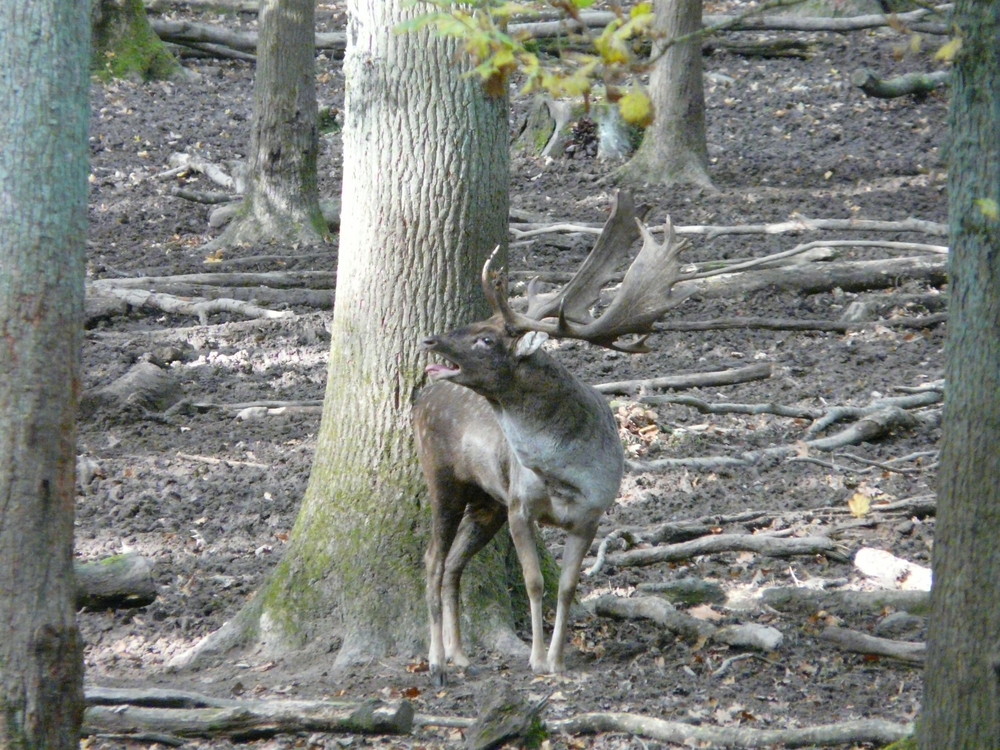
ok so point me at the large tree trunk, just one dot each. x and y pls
(125, 45)
(44, 56)
(673, 150)
(282, 199)
(962, 694)
(425, 199)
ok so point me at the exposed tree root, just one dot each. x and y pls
(911, 652)
(663, 613)
(876, 420)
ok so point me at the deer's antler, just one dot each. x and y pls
(644, 297)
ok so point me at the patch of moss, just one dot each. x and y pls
(327, 121)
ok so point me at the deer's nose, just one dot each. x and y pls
(429, 343)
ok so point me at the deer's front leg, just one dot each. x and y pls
(577, 544)
(522, 532)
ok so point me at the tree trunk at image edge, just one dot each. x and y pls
(282, 198)
(425, 199)
(961, 708)
(44, 56)
(673, 150)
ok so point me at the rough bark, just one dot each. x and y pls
(124, 44)
(44, 56)
(425, 200)
(961, 707)
(282, 198)
(673, 150)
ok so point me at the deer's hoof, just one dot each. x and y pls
(438, 677)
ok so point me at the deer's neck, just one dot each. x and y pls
(561, 428)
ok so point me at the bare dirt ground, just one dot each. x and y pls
(211, 499)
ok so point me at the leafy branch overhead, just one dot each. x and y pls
(602, 61)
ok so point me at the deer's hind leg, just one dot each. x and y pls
(482, 519)
(447, 509)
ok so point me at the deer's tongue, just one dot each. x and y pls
(436, 371)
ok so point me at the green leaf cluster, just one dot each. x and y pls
(608, 58)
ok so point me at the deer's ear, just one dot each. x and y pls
(529, 343)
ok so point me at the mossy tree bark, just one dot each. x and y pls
(44, 56)
(124, 44)
(425, 199)
(673, 149)
(282, 200)
(961, 707)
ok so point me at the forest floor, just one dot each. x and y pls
(211, 499)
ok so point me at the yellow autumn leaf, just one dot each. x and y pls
(949, 50)
(988, 208)
(641, 9)
(859, 504)
(635, 108)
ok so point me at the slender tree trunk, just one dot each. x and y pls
(962, 693)
(673, 150)
(425, 199)
(282, 199)
(44, 56)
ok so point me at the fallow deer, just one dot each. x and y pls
(506, 433)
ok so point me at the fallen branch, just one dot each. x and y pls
(235, 6)
(212, 171)
(118, 582)
(911, 652)
(768, 260)
(843, 733)
(791, 324)
(763, 545)
(813, 278)
(797, 225)
(918, 84)
(691, 380)
(810, 601)
(189, 33)
(323, 280)
(262, 404)
(246, 719)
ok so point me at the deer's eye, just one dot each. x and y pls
(484, 342)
